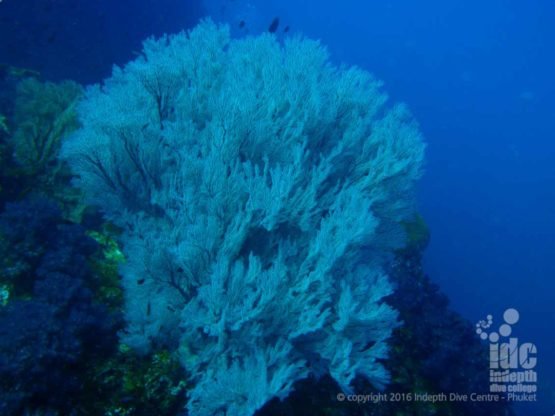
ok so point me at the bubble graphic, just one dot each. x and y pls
(505, 330)
(494, 337)
(511, 316)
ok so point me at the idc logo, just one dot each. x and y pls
(512, 363)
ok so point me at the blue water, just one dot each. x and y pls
(479, 78)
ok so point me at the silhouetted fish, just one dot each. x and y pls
(242, 24)
(286, 29)
(274, 25)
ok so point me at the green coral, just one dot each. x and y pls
(128, 384)
(5, 292)
(44, 115)
(3, 124)
(105, 265)
(18, 72)
(418, 233)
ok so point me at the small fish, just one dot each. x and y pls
(274, 25)
(148, 309)
(170, 308)
(242, 24)
(140, 281)
(286, 29)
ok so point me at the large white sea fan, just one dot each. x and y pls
(260, 189)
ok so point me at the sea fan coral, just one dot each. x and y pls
(260, 189)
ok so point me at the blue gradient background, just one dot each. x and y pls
(479, 77)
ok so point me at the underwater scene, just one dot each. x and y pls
(277, 208)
